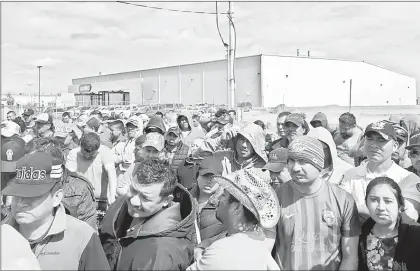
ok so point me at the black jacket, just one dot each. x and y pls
(164, 242)
(407, 252)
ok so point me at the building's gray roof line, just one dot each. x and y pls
(196, 63)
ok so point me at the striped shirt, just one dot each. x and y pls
(311, 226)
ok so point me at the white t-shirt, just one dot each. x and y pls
(236, 252)
(356, 180)
(93, 170)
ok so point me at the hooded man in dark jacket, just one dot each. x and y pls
(320, 120)
(155, 124)
(188, 132)
(152, 228)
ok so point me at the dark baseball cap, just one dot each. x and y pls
(28, 112)
(383, 128)
(414, 141)
(295, 118)
(211, 165)
(36, 174)
(277, 160)
(12, 149)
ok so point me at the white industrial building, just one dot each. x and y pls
(263, 80)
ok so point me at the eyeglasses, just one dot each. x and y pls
(413, 154)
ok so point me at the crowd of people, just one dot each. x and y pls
(177, 191)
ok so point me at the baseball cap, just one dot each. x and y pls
(83, 119)
(174, 130)
(134, 120)
(44, 118)
(28, 112)
(383, 128)
(12, 149)
(277, 160)
(10, 128)
(154, 140)
(36, 174)
(93, 122)
(295, 119)
(414, 141)
(211, 165)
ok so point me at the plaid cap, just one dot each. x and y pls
(295, 118)
(277, 160)
(36, 174)
(414, 141)
(154, 140)
(10, 128)
(44, 118)
(210, 165)
(383, 128)
(28, 112)
(12, 149)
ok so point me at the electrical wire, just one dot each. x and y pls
(168, 9)
(218, 30)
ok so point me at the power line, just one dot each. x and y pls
(218, 30)
(169, 9)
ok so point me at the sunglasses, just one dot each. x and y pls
(413, 154)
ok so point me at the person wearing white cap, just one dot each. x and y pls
(247, 205)
(9, 129)
(44, 125)
(124, 150)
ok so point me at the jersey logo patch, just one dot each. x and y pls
(418, 187)
(328, 217)
(9, 155)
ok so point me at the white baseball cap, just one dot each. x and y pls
(10, 128)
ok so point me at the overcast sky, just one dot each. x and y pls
(72, 40)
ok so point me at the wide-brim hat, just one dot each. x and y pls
(255, 193)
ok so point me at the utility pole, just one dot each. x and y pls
(231, 58)
(39, 88)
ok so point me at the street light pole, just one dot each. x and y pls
(39, 88)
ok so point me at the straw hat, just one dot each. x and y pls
(254, 193)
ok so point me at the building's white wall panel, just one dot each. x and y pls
(299, 81)
(248, 80)
(169, 90)
(215, 82)
(191, 84)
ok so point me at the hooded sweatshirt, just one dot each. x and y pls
(164, 241)
(195, 132)
(156, 121)
(255, 135)
(338, 167)
(323, 119)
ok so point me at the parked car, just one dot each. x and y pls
(277, 109)
(56, 113)
(245, 106)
